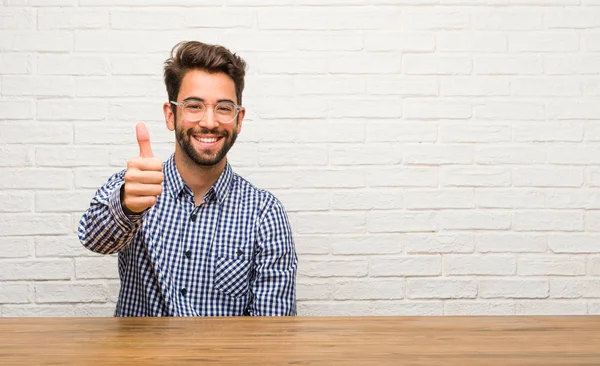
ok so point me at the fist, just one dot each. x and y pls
(143, 177)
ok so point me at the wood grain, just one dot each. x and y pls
(556, 340)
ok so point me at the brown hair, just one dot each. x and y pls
(186, 56)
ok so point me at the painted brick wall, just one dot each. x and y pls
(436, 157)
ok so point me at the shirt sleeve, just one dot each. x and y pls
(104, 227)
(276, 263)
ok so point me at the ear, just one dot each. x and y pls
(169, 116)
(240, 119)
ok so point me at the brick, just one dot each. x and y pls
(42, 86)
(255, 41)
(478, 308)
(485, 42)
(312, 244)
(497, 155)
(572, 64)
(329, 19)
(120, 86)
(593, 266)
(18, 311)
(572, 18)
(69, 292)
(107, 310)
(467, 176)
(486, 265)
(145, 3)
(580, 109)
(369, 289)
(537, 87)
(306, 63)
(57, 269)
(134, 41)
(367, 199)
(507, 65)
(437, 154)
(570, 154)
(591, 87)
(543, 42)
(514, 289)
(548, 131)
(15, 293)
(50, 64)
(434, 19)
(312, 290)
(550, 266)
(34, 224)
(375, 308)
(15, 247)
(402, 177)
(404, 85)
(547, 177)
(135, 65)
(320, 85)
(137, 19)
(401, 221)
(366, 244)
(439, 199)
(500, 110)
(40, 3)
(93, 268)
(441, 289)
(17, 19)
(405, 266)
(436, 109)
(61, 246)
(32, 41)
(573, 198)
(475, 220)
(436, 65)
(570, 288)
(71, 156)
(329, 41)
(55, 109)
(294, 201)
(548, 221)
(17, 109)
(367, 108)
(71, 201)
(334, 268)
(35, 133)
(277, 108)
(72, 18)
(397, 132)
(364, 154)
(511, 242)
(518, 19)
(439, 243)
(474, 85)
(592, 220)
(551, 308)
(399, 41)
(591, 42)
(375, 63)
(330, 222)
(509, 198)
(312, 155)
(35, 178)
(15, 156)
(16, 201)
(16, 63)
(574, 243)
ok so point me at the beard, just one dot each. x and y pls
(206, 157)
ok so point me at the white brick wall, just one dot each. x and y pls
(438, 157)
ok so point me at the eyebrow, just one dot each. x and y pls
(203, 101)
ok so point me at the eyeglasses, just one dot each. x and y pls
(194, 111)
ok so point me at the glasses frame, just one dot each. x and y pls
(182, 105)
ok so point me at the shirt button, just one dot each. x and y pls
(183, 291)
(193, 217)
(188, 254)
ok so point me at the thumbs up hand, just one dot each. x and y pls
(143, 177)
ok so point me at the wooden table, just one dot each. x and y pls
(564, 340)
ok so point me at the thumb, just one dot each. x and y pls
(143, 139)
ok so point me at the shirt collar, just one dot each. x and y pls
(176, 185)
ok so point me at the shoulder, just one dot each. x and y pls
(251, 194)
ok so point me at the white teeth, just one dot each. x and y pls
(207, 140)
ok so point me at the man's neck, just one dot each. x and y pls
(198, 178)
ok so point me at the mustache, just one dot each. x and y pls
(206, 131)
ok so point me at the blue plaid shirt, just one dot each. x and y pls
(231, 255)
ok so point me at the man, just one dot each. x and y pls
(193, 237)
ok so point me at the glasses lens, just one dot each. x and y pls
(194, 111)
(225, 112)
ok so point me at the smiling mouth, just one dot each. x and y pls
(207, 140)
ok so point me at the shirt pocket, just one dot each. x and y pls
(232, 276)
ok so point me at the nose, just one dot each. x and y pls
(208, 120)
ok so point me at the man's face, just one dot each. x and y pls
(205, 142)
